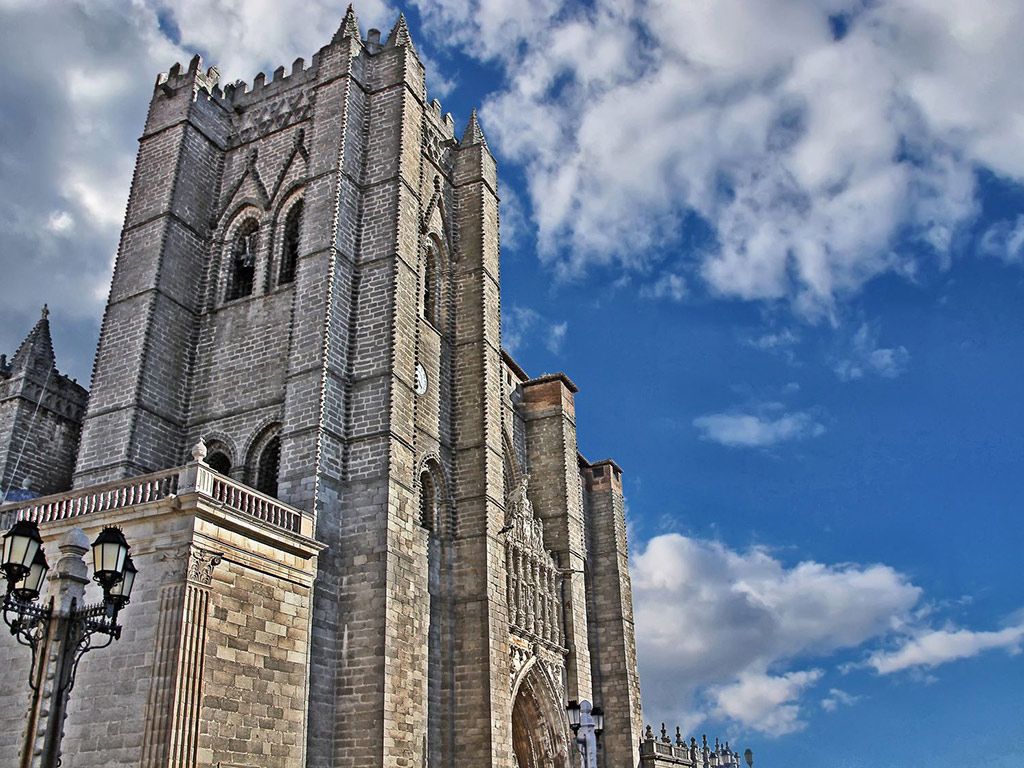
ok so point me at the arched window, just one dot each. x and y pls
(268, 465)
(431, 288)
(428, 501)
(242, 271)
(290, 244)
(219, 462)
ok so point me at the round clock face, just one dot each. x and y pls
(421, 380)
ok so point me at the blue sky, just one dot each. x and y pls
(780, 248)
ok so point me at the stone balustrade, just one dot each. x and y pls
(194, 477)
(664, 751)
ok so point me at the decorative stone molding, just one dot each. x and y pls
(201, 563)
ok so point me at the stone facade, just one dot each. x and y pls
(309, 279)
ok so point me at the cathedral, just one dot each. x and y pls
(364, 535)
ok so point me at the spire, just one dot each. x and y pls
(473, 134)
(400, 35)
(36, 351)
(349, 26)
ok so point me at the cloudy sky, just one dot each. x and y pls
(780, 246)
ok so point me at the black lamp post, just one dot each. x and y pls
(67, 631)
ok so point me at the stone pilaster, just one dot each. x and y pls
(549, 410)
(610, 616)
(483, 713)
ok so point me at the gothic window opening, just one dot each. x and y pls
(219, 462)
(290, 244)
(428, 501)
(242, 272)
(431, 289)
(268, 466)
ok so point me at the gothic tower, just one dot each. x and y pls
(41, 414)
(308, 279)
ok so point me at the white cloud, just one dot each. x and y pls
(867, 357)
(837, 698)
(767, 703)
(521, 325)
(935, 647)
(813, 159)
(1005, 240)
(555, 337)
(669, 286)
(775, 342)
(715, 623)
(748, 430)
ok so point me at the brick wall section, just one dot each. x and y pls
(610, 615)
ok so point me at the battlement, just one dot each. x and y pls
(664, 751)
(240, 94)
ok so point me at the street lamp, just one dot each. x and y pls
(749, 757)
(28, 587)
(598, 714)
(573, 710)
(66, 629)
(21, 544)
(587, 724)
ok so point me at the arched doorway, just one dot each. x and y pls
(538, 736)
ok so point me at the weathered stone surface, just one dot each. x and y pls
(475, 575)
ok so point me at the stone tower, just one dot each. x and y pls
(41, 414)
(308, 279)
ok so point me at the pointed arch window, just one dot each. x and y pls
(431, 288)
(268, 466)
(290, 244)
(242, 269)
(428, 501)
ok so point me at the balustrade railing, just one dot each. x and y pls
(154, 487)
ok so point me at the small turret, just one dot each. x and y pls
(36, 352)
(400, 35)
(349, 27)
(473, 134)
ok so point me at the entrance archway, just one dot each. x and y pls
(538, 738)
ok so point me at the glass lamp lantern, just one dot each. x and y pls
(573, 710)
(748, 757)
(122, 591)
(21, 544)
(109, 554)
(598, 714)
(29, 587)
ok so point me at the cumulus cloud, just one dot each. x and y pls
(717, 628)
(748, 430)
(867, 357)
(935, 647)
(767, 703)
(820, 155)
